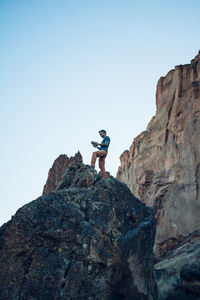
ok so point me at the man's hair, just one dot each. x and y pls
(102, 130)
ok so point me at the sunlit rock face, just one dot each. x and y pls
(57, 170)
(162, 166)
(89, 239)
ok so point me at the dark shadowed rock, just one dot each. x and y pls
(89, 239)
(57, 170)
(178, 276)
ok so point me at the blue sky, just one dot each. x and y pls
(70, 68)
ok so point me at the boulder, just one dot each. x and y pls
(89, 239)
(178, 276)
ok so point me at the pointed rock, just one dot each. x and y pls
(57, 170)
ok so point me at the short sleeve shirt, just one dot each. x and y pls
(106, 139)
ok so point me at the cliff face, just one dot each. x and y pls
(57, 170)
(162, 166)
(89, 239)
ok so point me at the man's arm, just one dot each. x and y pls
(105, 144)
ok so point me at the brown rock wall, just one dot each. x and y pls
(162, 166)
(57, 170)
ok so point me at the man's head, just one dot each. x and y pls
(102, 133)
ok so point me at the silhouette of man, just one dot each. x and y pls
(102, 153)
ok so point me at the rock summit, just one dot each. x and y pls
(88, 239)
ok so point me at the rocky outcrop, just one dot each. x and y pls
(57, 170)
(178, 276)
(162, 166)
(89, 239)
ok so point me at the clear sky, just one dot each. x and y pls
(71, 67)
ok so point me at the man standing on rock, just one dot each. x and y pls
(102, 153)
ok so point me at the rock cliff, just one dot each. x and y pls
(57, 170)
(89, 239)
(162, 166)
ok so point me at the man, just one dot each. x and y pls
(102, 153)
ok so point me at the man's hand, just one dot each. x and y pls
(95, 144)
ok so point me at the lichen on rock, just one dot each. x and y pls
(89, 239)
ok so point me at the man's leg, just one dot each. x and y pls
(94, 158)
(100, 153)
(102, 166)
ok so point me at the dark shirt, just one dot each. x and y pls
(106, 139)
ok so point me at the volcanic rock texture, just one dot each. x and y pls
(89, 239)
(162, 166)
(178, 276)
